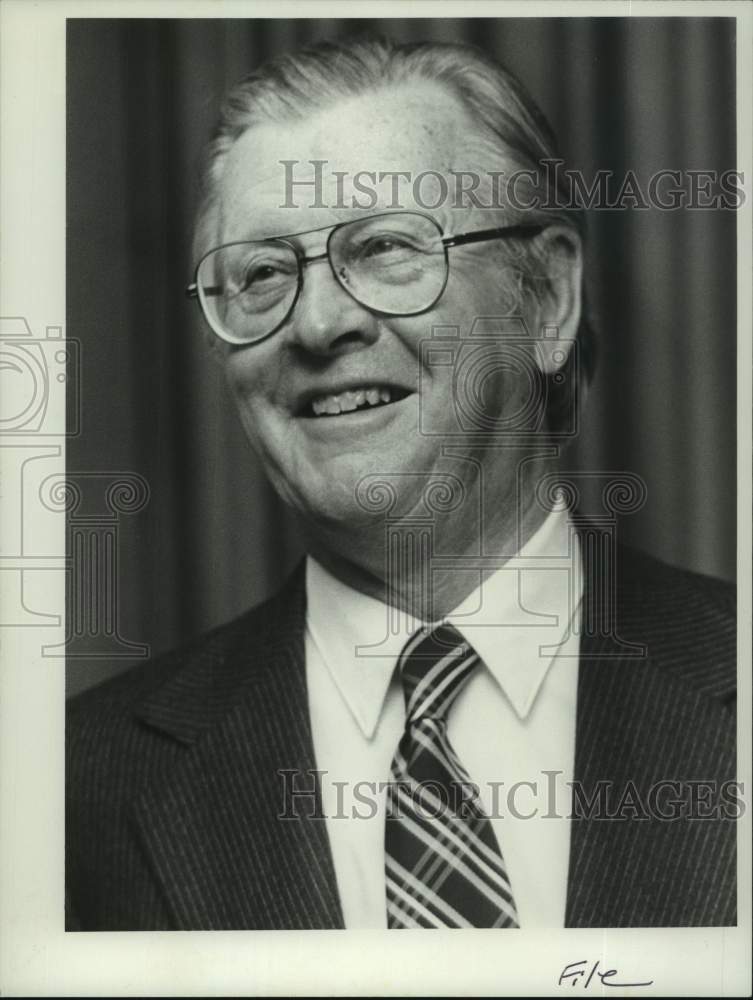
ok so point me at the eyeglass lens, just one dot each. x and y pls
(394, 264)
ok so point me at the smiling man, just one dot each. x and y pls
(440, 721)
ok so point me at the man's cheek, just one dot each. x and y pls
(248, 391)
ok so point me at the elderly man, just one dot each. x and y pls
(467, 707)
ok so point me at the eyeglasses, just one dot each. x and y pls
(394, 264)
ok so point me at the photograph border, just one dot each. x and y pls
(37, 956)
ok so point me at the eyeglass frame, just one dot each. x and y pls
(522, 229)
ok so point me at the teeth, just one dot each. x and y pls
(351, 400)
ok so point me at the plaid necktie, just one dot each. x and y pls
(443, 865)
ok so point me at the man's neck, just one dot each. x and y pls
(428, 570)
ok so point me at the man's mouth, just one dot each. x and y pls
(361, 398)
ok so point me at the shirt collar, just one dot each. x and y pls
(514, 620)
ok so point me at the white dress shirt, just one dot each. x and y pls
(513, 722)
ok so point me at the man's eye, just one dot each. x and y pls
(262, 277)
(383, 246)
(258, 274)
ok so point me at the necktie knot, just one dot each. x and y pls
(435, 665)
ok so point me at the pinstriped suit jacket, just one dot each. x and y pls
(174, 792)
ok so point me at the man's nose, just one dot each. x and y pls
(326, 319)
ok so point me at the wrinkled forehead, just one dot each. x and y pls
(361, 154)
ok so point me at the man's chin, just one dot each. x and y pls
(338, 506)
(337, 493)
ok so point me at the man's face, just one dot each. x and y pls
(331, 344)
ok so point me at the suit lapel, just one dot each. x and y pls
(638, 725)
(230, 844)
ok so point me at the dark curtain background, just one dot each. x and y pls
(638, 93)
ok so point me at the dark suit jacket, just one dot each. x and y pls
(174, 791)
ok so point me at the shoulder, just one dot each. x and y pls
(684, 592)
(667, 593)
(687, 620)
(126, 719)
(129, 688)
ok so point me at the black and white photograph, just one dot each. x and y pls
(394, 439)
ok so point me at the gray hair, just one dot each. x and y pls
(297, 84)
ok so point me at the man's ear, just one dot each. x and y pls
(560, 305)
